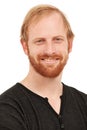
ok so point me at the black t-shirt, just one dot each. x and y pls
(22, 109)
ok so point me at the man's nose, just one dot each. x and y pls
(49, 48)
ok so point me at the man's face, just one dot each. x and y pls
(48, 47)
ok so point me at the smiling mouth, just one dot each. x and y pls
(49, 61)
(50, 58)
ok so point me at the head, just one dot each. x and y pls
(46, 37)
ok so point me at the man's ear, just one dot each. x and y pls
(24, 46)
(70, 44)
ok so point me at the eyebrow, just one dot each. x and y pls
(59, 36)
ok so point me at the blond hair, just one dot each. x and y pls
(36, 13)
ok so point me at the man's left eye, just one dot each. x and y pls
(58, 40)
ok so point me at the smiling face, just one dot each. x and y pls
(48, 47)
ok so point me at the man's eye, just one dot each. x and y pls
(40, 41)
(58, 40)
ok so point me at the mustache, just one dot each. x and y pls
(49, 56)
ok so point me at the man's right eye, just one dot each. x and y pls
(39, 41)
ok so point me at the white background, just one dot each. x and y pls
(13, 61)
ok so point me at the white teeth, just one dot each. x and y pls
(49, 61)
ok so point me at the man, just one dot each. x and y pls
(41, 101)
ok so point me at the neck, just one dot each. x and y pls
(43, 86)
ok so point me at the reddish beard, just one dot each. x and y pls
(48, 71)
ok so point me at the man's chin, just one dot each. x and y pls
(49, 73)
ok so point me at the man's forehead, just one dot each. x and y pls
(37, 19)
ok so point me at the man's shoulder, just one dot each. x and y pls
(11, 108)
(12, 99)
(77, 94)
(13, 93)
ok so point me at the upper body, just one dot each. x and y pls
(22, 109)
(46, 38)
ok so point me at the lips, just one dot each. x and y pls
(49, 61)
